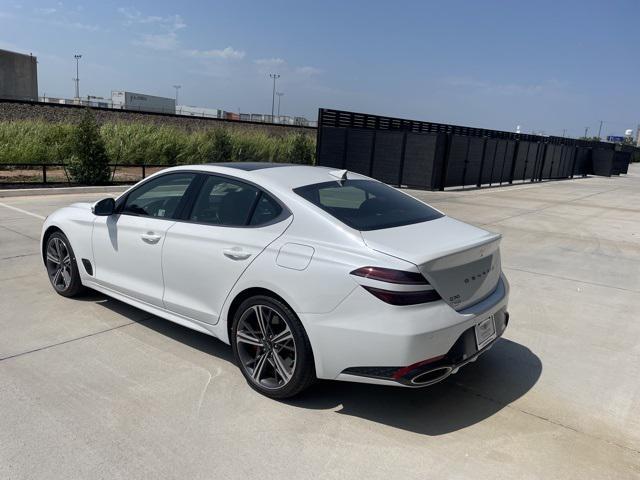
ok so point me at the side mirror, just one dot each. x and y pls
(104, 207)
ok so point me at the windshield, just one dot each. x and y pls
(367, 204)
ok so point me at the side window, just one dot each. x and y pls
(223, 201)
(266, 210)
(159, 197)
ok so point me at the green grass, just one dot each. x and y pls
(139, 143)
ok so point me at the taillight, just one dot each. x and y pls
(391, 276)
(412, 287)
(404, 298)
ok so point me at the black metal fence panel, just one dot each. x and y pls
(420, 168)
(331, 146)
(520, 163)
(507, 166)
(569, 161)
(547, 162)
(489, 159)
(624, 168)
(532, 158)
(473, 163)
(435, 156)
(458, 148)
(499, 161)
(602, 161)
(388, 153)
(620, 162)
(582, 165)
(358, 151)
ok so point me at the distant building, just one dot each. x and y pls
(142, 102)
(18, 76)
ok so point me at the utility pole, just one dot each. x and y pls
(77, 79)
(600, 129)
(280, 95)
(177, 87)
(586, 131)
(275, 76)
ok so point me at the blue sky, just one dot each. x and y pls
(546, 66)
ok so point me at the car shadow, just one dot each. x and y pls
(191, 338)
(479, 390)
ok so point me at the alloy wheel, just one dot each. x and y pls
(266, 347)
(59, 264)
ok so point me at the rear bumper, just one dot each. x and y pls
(366, 340)
(435, 369)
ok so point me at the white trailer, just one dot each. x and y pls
(199, 111)
(142, 102)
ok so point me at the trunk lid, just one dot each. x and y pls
(462, 262)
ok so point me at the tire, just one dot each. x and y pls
(276, 358)
(64, 276)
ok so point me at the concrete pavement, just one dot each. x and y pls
(92, 388)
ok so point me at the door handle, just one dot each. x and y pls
(235, 253)
(150, 237)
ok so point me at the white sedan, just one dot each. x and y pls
(307, 272)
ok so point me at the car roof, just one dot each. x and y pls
(285, 176)
(251, 166)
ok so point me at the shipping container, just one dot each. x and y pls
(142, 102)
(199, 111)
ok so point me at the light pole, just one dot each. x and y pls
(586, 130)
(77, 79)
(600, 129)
(177, 87)
(275, 76)
(280, 95)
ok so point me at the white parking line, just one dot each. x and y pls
(21, 211)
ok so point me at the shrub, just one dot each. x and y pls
(34, 142)
(138, 143)
(301, 149)
(89, 163)
(222, 146)
(141, 143)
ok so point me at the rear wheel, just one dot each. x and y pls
(272, 348)
(62, 268)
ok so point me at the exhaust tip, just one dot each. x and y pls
(432, 376)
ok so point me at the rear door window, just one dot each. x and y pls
(224, 201)
(367, 204)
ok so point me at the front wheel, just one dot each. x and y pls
(272, 348)
(62, 268)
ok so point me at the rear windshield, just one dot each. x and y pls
(366, 204)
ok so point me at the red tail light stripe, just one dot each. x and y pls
(391, 276)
